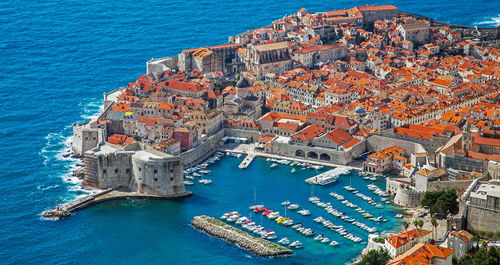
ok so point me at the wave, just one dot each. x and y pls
(57, 153)
(490, 21)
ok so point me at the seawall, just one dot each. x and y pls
(257, 246)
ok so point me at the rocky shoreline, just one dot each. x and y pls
(257, 246)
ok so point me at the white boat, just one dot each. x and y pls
(296, 244)
(325, 240)
(293, 206)
(205, 171)
(273, 165)
(318, 238)
(304, 212)
(189, 177)
(313, 199)
(196, 174)
(285, 203)
(205, 181)
(189, 183)
(284, 241)
(334, 243)
(293, 170)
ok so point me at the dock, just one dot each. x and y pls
(246, 162)
(106, 195)
(320, 177)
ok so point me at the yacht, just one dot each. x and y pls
(304, 212)
(293, 206)
(285, 203)
(284, 241)
(273, 165)
(318, 238)
(296, 244)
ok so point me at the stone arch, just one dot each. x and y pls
(300, 153)
(324, 157)
(312, 155)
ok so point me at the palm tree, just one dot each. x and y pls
(405, 225)
(434, 227)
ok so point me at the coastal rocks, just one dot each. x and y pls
(79, 173)
(257, 246)
(56, 214)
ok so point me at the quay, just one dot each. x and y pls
(320, 177)
(248, 151)
(246, 161)
(106, 195)
(257, 246)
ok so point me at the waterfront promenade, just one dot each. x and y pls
(248, 149)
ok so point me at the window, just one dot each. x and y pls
(171, 179)
(127, 170)
(140, 169)
(155, 171)
(104, 171)
(116, 170)
(156, 179)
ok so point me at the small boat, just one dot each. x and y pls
(284, 241)
(196, 174)
(293, 206)
(273, 165)
(325, 240)
(313, 199)
(256, 206)
(265, 213)
(189, 183)
(285, 203)
(296, 244)
(304, 212)
(189, 177)
(293, 170)
(334, 243)
(398, 215)
(318, 238)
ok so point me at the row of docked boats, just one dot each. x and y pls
(247, 224)
(233, 154)
(377, 190)
(366, 198)
(337, 228)
(200, 171)
(341, 215)
(303, 166)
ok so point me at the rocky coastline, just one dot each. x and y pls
(257, 246)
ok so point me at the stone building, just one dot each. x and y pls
(268, 58)
(415, 32)
(460, 241)
(210, 59)
(371, 13)
(132, 169)
(483, 208)
(209, 121)
(86, 136)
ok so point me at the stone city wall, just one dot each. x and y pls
(203, 151)
(378, 142)
(479, 219)
(252, 135)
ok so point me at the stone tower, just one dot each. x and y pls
(466, 137)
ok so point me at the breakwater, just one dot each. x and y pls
(257, 246)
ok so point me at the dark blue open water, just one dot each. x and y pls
(56, 59)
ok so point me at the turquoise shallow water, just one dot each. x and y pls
(58, 57)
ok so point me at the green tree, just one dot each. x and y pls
(441, 202)
(375, 257)
(483, 257)
(405, 225)
(420, 223)
(465, 260)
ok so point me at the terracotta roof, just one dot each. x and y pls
(421, 254)
(308, 133)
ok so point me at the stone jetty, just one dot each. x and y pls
(257, 246)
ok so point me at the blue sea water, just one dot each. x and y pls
(56, 60)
